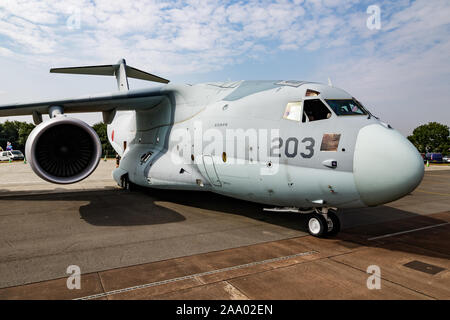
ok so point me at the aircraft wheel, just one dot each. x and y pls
(334, 225)
(123, 182)
(317, 225)
(127, 184)
(130, 186)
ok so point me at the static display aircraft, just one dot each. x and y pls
(291, 145)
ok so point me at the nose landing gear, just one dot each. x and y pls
(321, 222)
(324, 222)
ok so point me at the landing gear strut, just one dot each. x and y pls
(324, 222)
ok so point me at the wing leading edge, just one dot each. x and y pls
(120, 101)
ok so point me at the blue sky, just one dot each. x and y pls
(401, 71)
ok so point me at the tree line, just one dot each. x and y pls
(431, 137)
(17, 133)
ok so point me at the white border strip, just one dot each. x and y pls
(408, 231)
(153, 284)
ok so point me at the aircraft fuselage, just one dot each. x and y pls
(270, 142)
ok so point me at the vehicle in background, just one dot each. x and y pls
(11, 155)
(434, 157)
(4, 155)
(17, 155)
(446, 159)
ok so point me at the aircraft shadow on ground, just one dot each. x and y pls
(358, 224)
(143, 207)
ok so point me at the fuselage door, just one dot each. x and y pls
(210, 169)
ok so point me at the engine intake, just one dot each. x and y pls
(63, 150)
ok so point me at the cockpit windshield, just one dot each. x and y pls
(347, 107)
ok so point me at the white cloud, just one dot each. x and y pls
(195, 34)
(205, 34)
(403, 70)
(181, 37)
(5, 52)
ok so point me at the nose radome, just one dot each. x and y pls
(386, 166)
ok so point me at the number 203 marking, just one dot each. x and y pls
(291, 147)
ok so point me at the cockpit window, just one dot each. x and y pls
(347, 107)
(293, 111)
(315, 110)
(312, 93)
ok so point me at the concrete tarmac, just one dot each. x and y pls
(159, 244)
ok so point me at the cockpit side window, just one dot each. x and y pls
(346, 107)
(293, 111)
(315, 110)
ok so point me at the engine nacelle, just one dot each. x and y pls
(63, 150)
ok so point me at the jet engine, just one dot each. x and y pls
(63, 150)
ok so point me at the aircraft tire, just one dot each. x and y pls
(317, 225)
(126, 184)
(123, 182)
(130, 186)
(336, 224)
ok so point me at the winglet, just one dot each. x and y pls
(120, 70)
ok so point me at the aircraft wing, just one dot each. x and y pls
(123, 100)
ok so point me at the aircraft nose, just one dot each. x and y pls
(386, 165)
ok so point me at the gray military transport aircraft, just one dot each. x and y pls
(294, 146)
